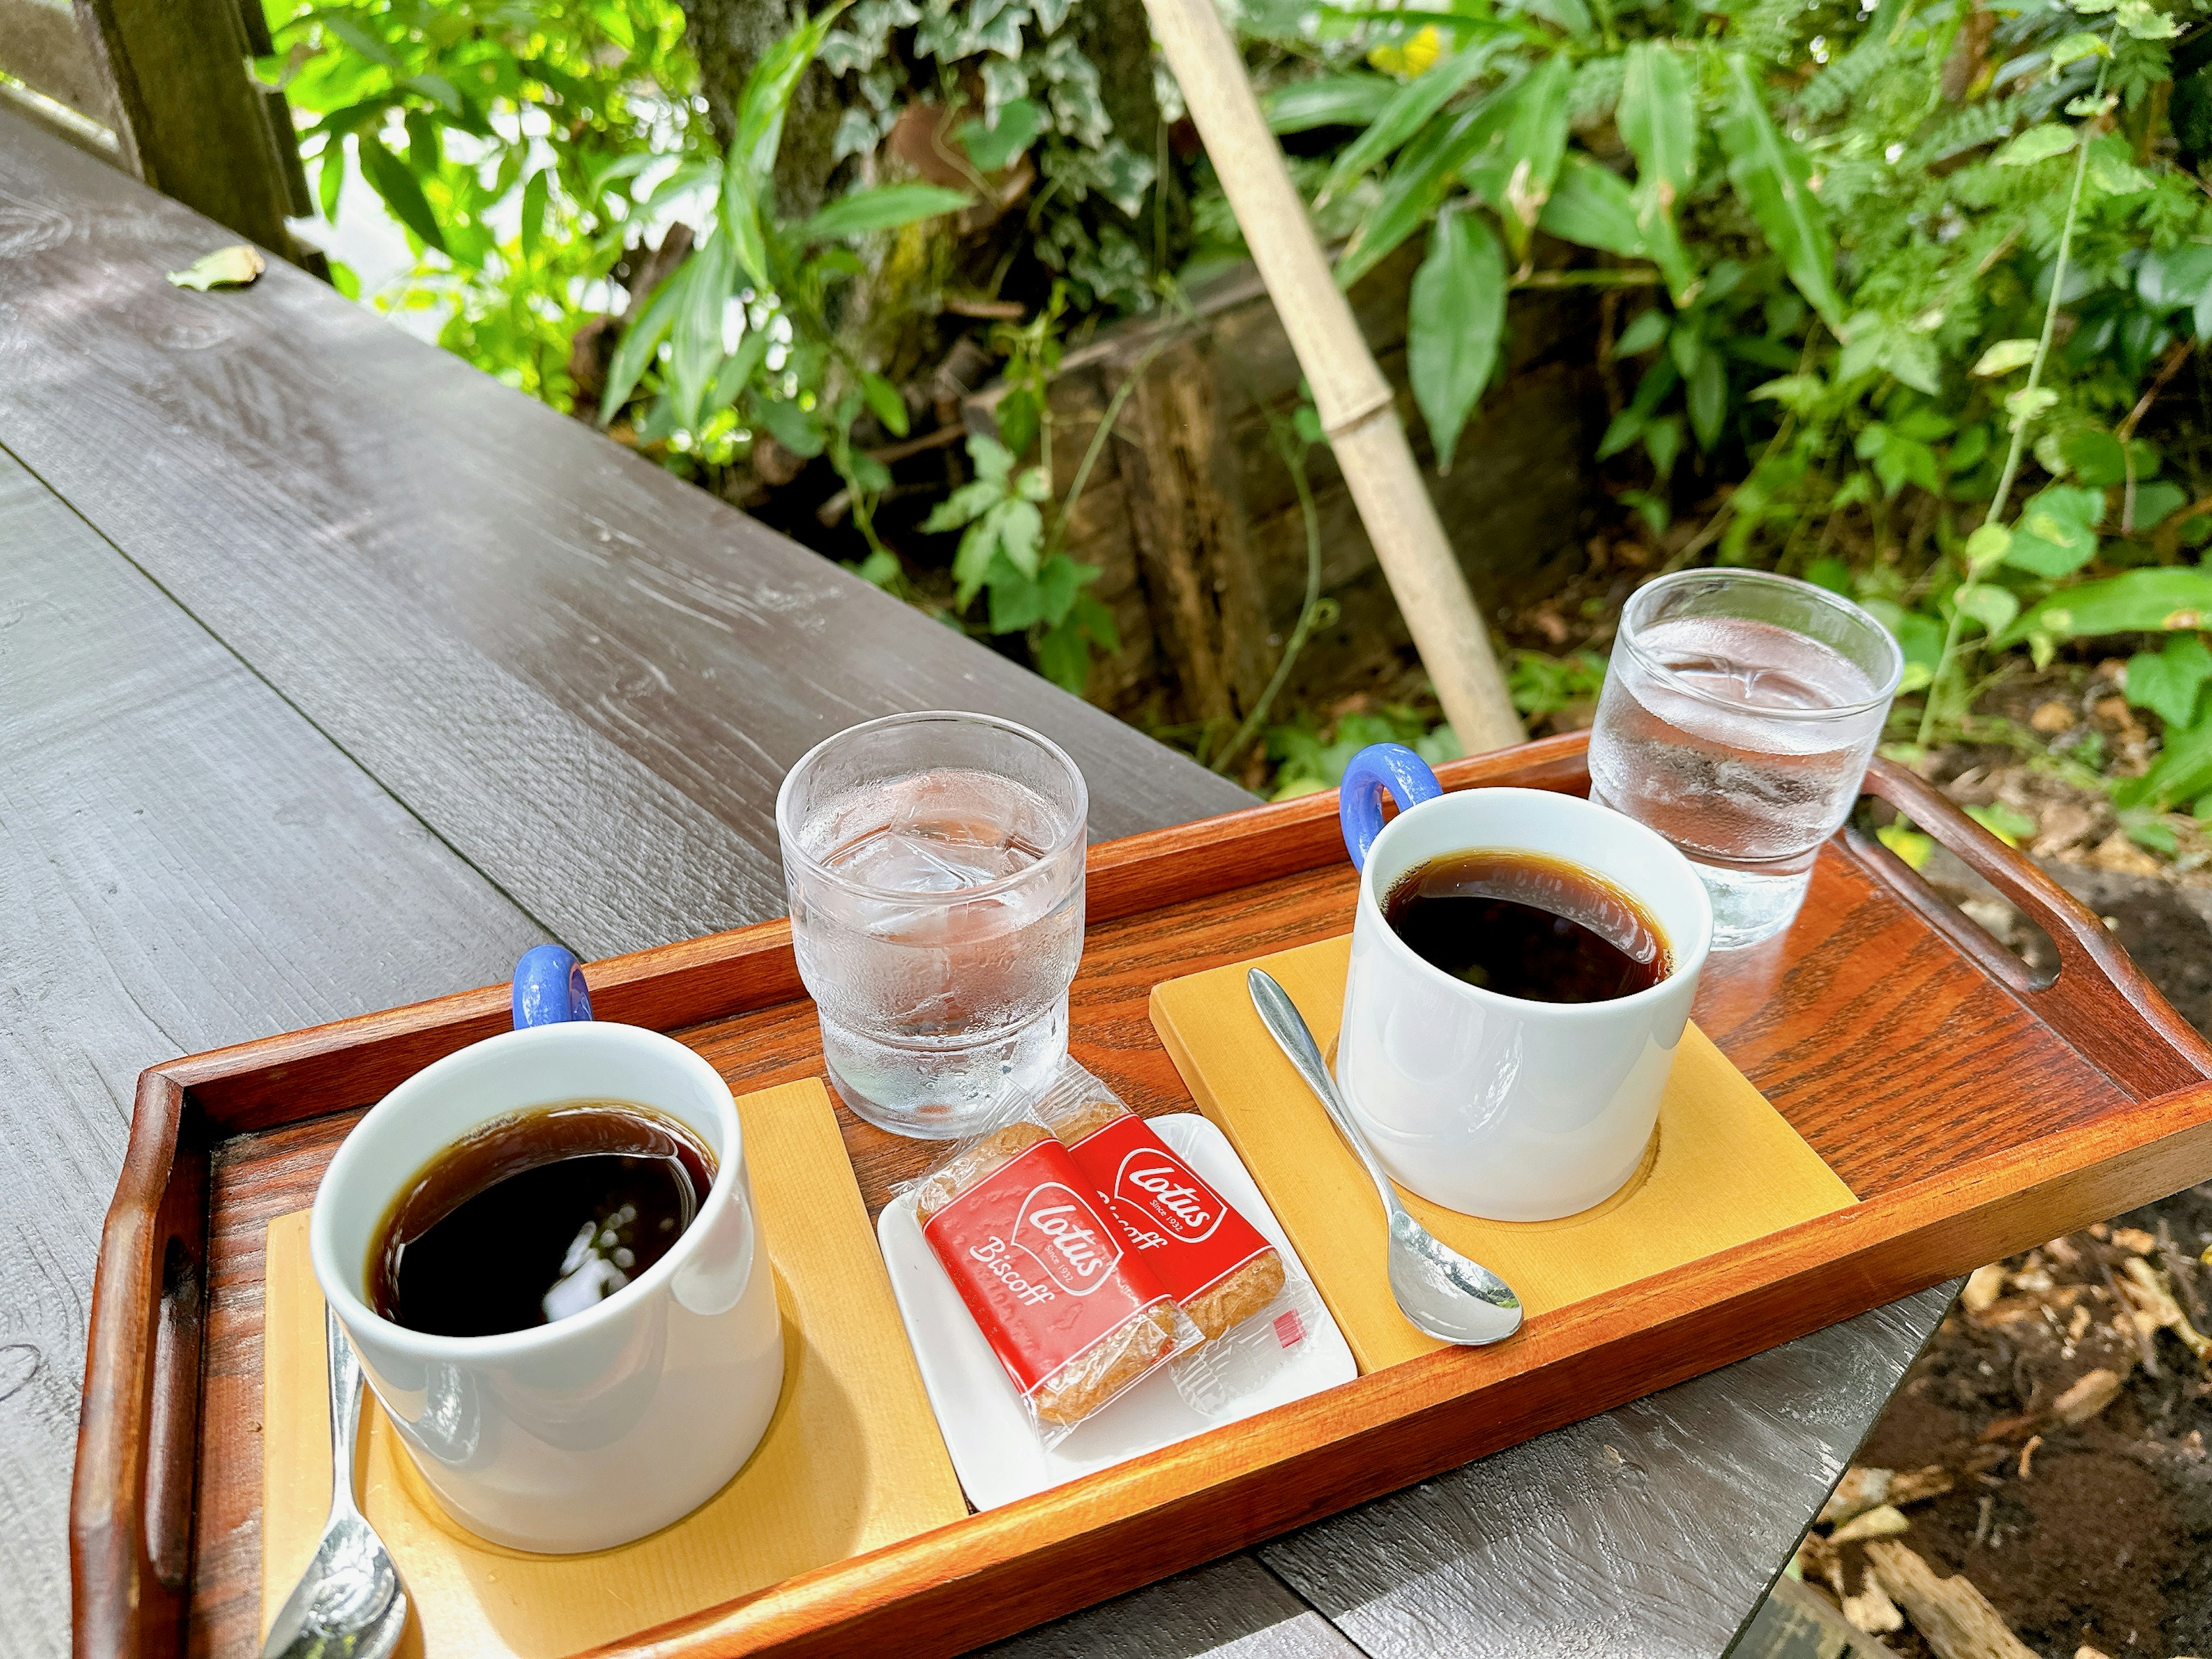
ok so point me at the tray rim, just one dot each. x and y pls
(133, 1500)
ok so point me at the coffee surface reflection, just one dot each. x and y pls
(535, 1217)
(1525, 926)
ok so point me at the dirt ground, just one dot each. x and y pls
(2050, 1444)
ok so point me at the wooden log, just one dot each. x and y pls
(1955, 1618)
(1354, 401)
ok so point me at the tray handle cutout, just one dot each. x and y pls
(2098, 1000)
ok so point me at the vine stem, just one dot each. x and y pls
(1293, 457)
(1099, 433)
(2021, 427)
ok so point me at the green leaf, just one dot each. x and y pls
(1706, 397)
(235, 266)
(1648, 331)
(1017, 601)
(359, 39)
(2056, 532)
(994, 145)
(1033, 483)
(1572, 15)
(791, 426)
(639, 340)
(2147, 601)
(1408, 111)
(972, 563)
(2037, 144)
(1986, 548)
(963, 505)
(2172, 278)
(388, 177)
(991, 459)
(1329, 101)
(1591, 204)
(741, 224)
(2145, 21)
(2005, 356)
(2168, 682)
(1454, 319)
(884, 399)
(766, 95)
(533, 213)
(1657, 116)
(1993, 607)
(2082, 44)
(1019, 527)
(1417, 185)
(1770, 173)
(696, 342)
(2182, 772)
(1535, 142)
(1662, 442)
(2157, 501)
(735, 373)
(884, 207)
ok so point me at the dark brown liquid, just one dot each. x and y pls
(536, 1216)
(1529, 926)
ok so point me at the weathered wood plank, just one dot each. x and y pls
(184, 860)
(588, 675)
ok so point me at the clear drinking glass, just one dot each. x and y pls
(1739, 714)
(934, 863)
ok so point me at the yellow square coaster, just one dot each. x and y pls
(1727, 1167)
(851, 1460)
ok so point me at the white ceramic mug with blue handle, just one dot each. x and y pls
(1488, 1104)
(608, 1424)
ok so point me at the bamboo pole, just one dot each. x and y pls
(1353, 399)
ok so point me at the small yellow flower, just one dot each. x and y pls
(1411, 56)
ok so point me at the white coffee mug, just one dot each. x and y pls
(1494, 1105)
(608, 1424)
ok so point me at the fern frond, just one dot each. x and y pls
(1969, 128)
(1842, 82)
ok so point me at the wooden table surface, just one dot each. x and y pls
(333, 674)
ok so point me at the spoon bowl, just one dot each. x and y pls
(1441, 1291)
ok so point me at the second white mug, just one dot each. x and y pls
(1493, 1105)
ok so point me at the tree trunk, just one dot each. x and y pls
(728, 37)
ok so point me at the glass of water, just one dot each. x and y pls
(934, 863)
(1739, 714)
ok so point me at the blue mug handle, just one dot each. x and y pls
(1378, 767)
(549, 988)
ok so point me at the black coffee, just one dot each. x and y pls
(536, 1216)
(1529, 926)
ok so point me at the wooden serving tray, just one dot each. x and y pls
(1974, 1111)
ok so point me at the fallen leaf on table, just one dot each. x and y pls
(1885, 1521)
(234, 266)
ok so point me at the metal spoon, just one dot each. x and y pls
(1439, 1290)
(349, 1604)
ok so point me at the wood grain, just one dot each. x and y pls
(182, 861)
(2077, 1145)
(587, 676)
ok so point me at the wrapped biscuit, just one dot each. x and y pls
(1071, 1312)
(1231, 1283)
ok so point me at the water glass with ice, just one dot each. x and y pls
(1739, 714)
(934, 864)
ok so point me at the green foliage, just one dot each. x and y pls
(1309, 758)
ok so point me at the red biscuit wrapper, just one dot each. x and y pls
(1212, 1260)
(1072, 1313)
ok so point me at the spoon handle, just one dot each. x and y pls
(1289, 1029)
(345, 1414)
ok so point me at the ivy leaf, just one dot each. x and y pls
(1770, 174)
(388, 177)
(2005, 356)
(235, 266)
(994, 145)
(2055, 533)
(1454, 319)
(2168, 682)
(2037, 144)
(1591, 204)
(886, 207)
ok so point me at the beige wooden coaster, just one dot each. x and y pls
(1727, 1168)
(851, 1460)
